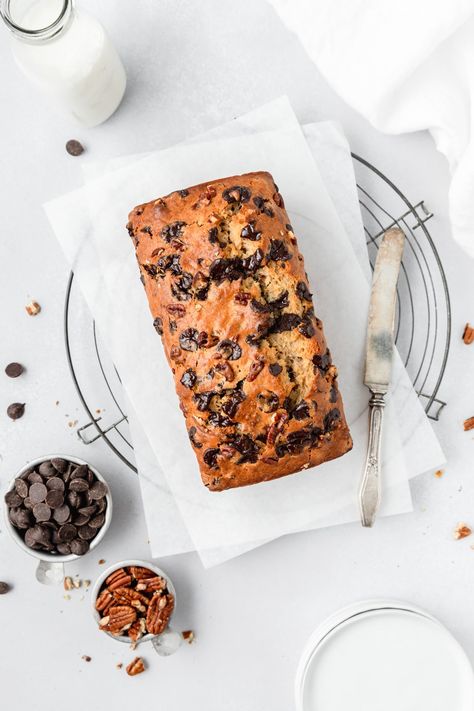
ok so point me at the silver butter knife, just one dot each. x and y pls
(378, 363)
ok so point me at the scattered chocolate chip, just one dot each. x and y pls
(213, 235)
(323, 361)
(192, 436)
(203, 400)
(216, 419)
(183, 193)
(333, 394)
(232, 399)
(210, 457)
(173, 230)
(252, 263)
(330, 419)
(188, 339)
(306, 327)
(285, 322)
(275, 369)
(301, 411)
(13, 370)
(229, 349)
(245, 445)
(4, 588)
(188, 379)
(74, 148)
(16, 410)
(268, 401)
(249, 232)
(158, 324)
(278, 251)
(236, 194)
(303, 292)
(262, 206)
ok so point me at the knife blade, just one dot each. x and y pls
(378, 363)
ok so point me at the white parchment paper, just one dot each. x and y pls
(89, 223)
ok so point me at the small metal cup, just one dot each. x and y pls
(164, 644)
(50, 570)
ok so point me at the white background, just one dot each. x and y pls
(191, 66)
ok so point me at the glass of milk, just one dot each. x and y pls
(67, 54)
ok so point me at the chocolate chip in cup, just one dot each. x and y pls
(58, 507)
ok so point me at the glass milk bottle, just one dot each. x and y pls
(66, 53)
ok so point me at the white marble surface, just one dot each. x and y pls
(190, 66)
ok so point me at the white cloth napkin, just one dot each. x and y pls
(405, 66)
(89, 226)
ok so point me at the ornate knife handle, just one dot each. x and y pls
(370, 487)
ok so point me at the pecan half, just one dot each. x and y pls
(119, 618)
(469, 424)
(159, 612)
(127, 596)
(280, 418)
(468, 335)
(104, 601)
(151, 585)
(135, 667)
(255, 369)
(137, 630)
(119, 578)
(226, 370)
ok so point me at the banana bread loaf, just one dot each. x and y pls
(230, 298)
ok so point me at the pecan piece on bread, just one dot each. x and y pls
(159, 612)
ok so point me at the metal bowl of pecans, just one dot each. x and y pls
(58, 508)
(133, 601)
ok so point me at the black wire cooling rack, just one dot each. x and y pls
(423, 326)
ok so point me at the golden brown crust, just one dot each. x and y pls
(228, 292)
